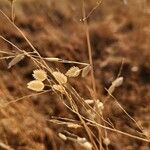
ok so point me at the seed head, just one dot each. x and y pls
(118, 82)
(73, 125)
(35, 85)
(73, 72)
(106, 141)
(39, 75)
(86, 70)
(60, 77)
(81, 140)
(62, 136)
(59, 88)
(87, 145)
(100, 105)
(89, 101)
(52, 59)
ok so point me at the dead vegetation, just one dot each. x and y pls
(67, 113)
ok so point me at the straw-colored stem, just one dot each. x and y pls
(89, 51)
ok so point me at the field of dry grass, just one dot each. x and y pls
(119, 33)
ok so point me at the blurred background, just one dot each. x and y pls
(118, 30)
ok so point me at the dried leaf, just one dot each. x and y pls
(73, 72)
(15, 60)
(85, 71)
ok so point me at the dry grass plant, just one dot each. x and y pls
(58, 82)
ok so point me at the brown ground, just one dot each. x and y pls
(117, 31)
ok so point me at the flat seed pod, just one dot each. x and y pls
(73, 72)
(35, 85)
(39, 75)
(60, 77)
(15, 60)
(86, 70)
(59, 88)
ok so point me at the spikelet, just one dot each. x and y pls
(90, 114)
(118, 82)
(73, 125)
(81, 140)
(84, 143)
(59, 88)
(87, 145)
(15, 60)
(86, 70)
(89, 101)
(111, 89)
(39, 75)
(73, 72)
(60, 77)
(100, 106)
(35, 85)
(106, 141)
(62, 136)
(52, 59)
